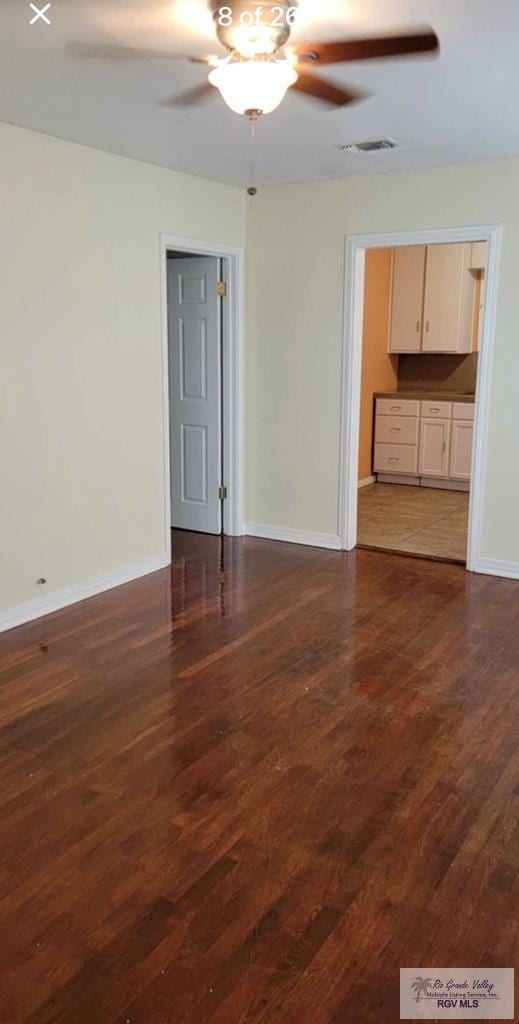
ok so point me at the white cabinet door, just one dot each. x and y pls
(434, 447)
(407, 298)
(449, 299)
(478, 255)
(461, 450)
(195, 404)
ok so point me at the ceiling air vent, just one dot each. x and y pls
(370, 146)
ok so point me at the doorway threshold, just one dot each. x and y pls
(412, 554)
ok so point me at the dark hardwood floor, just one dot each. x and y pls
(249, 790)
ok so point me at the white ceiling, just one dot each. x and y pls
(460, 107)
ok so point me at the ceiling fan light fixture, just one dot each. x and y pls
(254, 85)
(254, 42)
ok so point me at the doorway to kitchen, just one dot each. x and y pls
(419, 320)
(202, 301)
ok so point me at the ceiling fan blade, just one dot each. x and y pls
(191, 97)
(112, 51)
(367, 49)
(327, 92)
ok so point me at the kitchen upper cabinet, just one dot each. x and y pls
(407, 299)
(461, 450)
(433, 299)
(478, 255)
(449, 300)
(434, 447)
(478, 266)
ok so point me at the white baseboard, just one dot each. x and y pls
(509, 570)
(48, 603)
(314, 540)
(367, 481)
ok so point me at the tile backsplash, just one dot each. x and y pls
(438, 372)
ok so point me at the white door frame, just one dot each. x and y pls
(356, 246)
(232, 354)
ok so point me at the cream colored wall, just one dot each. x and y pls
(379, 369)
(296, 275)
(81, 424)
(81, 419)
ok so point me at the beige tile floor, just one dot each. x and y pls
(416, 520)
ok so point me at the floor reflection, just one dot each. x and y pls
(193, 577)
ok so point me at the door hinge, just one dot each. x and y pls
(221, 289)
(222, 493)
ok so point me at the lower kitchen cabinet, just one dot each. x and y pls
(461, 450)
(434, 447)
(396, 458)
(424, 442)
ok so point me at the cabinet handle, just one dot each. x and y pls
(418, 322)
(395, 430)
(393, 460)
(427, 327)
(434, 408)
(396, 408)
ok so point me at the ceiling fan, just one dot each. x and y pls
(259, 66)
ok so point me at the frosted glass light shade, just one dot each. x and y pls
(254, 85)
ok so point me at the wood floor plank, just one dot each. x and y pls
(250, 788)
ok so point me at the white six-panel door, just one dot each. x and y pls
(195, 393)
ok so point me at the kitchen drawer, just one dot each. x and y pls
(442, 410)
(396, 429)
(463, 411)
(397, 407)
(396, 458)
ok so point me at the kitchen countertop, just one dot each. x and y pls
(426, 396)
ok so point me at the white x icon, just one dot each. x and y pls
(40, 14)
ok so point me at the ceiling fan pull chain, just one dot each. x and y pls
(253, 118)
